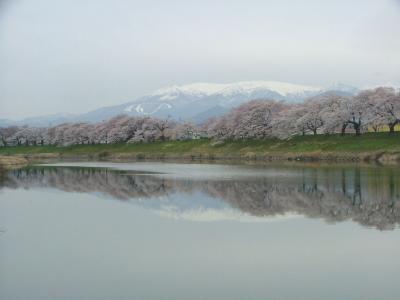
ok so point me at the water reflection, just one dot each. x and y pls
(368, 196)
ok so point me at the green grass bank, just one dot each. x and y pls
(368, 147)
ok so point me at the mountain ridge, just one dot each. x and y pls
(193, 102)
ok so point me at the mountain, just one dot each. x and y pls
(200, 101)
(47, 120)
(195, 102)
(342, 89)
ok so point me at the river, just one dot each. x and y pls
(199, 231)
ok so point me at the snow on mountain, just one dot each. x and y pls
(283, 89)
(196, 102)
(194, 89)
(139, 108)
(226, 90)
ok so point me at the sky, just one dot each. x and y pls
(72, 56)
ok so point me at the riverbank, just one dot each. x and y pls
(371, 147)
(10, 162)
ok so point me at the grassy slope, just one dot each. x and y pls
(334, 144)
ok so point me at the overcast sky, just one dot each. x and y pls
(77, 55)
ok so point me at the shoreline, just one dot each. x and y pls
(381, 158)
(370, 148)
(11, 162)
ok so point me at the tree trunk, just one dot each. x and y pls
(343, 132)
(391, 128)
(358, 129)
(162, 137)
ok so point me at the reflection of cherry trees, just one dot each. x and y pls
(370, 197)
(89, 180)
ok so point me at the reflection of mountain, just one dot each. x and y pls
(370, 197)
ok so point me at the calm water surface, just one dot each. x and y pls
(196, 231)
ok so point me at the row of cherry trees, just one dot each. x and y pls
(258, 119)
(328, 113)
(120, 129)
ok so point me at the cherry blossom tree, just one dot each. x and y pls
(359, 111)
(185, 131)
(217, 128)
(164, 127)
(286, 125)
(312, 117)
(335, 113)
(6, 133)
(386, 103)
(253, 119)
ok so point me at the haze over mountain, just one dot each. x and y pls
(196, 102)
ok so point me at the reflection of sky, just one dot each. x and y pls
(59, 246)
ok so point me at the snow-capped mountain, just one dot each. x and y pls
(200, 101)
(232, 89)
(196, 102)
